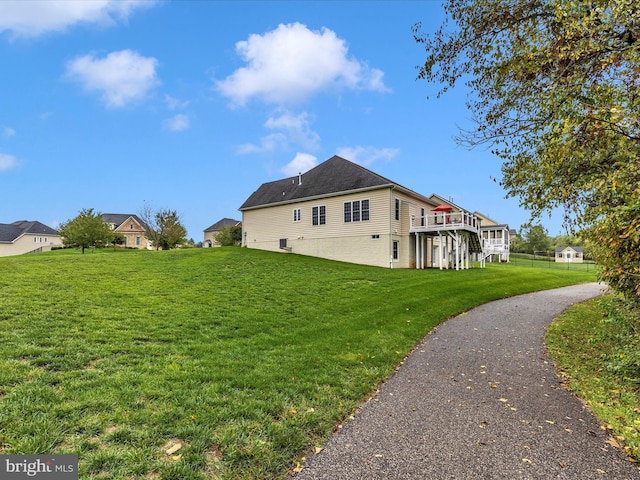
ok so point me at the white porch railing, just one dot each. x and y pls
(445, 221)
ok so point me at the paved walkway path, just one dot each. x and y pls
(477, 399)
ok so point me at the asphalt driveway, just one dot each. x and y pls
(478, 399)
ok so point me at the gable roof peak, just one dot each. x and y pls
(333, 176)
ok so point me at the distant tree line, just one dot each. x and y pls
(535, 239)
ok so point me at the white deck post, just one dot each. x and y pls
(417, 251)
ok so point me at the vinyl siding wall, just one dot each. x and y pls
(28, 243)
(364, 242)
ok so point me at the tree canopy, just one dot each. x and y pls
(555, 92)
(230, 236)
(86, 230)
(163, 227)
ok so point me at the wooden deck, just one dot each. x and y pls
(435, 223)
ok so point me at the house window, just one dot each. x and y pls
(138, 241)
(319, 215)
(131, 227)
(356, 211)
(422, 217)
(297, 214)
(397, 209)
(347, 212)
(364, 210)
(283, 243)
(395, 249)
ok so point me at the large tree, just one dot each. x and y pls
(555, 91)
(163, 227)
(536, 238)
(86, 230)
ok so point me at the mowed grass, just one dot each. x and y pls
(587, 343)
(245, 360)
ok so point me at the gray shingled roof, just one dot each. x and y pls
(119, 218)
(577, 249)
(220, 224)
(335, 175)
(12, 231)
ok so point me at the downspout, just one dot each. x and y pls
(391, 217)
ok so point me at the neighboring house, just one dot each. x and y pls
(496, 239)
(130, 226)
(27, 237)
(569, 255)
(342, 211)
(211, 232)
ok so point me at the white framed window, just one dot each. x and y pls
(319, 215)
(397, 209)
(356, 211)
(396, 250)
(297, 214)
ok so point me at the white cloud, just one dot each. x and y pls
(174, 103)
(8, 132)
(367, 155)
(30, 18)
(121, 77)
(268, 143)
(300, 164)
(7, 162)
(177, 123)
(289, 129)
(291, 63)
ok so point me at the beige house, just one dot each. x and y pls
(131, 227)
(211, 232)
(496, 239)
(342, 211)
(27, 237)
(569, 255)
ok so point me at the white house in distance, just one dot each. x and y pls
(342, 211)
(26, 236)
(569, 255)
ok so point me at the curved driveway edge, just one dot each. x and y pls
(478, 399)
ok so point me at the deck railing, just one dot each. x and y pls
(445, 220)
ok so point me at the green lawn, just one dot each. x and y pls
(246, 359)
(591, 343)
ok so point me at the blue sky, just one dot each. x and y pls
(191, 105)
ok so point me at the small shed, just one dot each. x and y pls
(569, 255)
